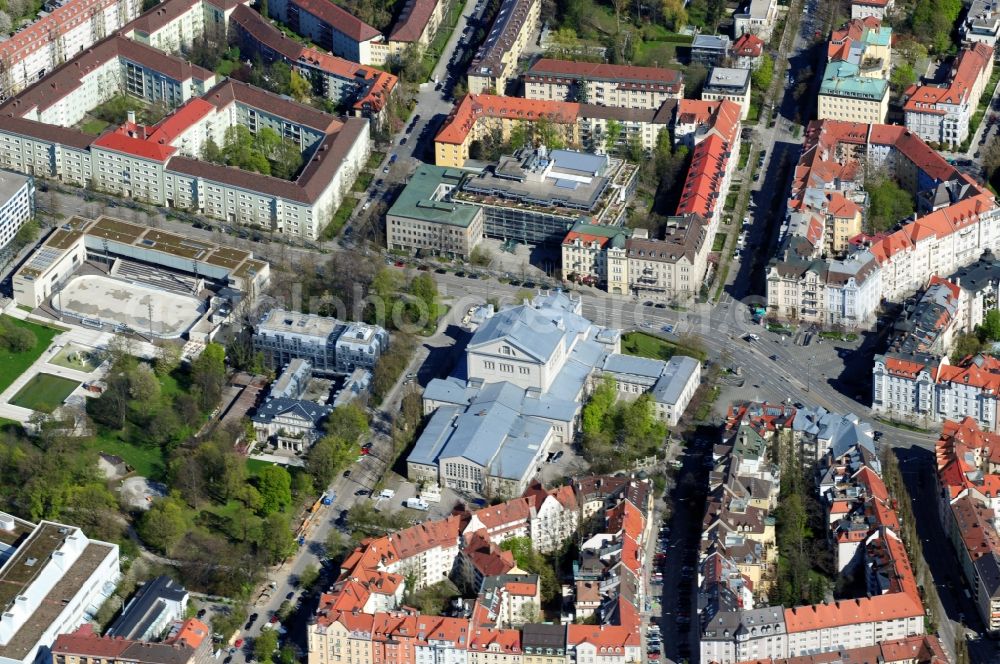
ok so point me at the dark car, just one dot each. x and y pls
(774, 358)
(528, 284)
(290, 595)
(202, 612)
(440, 270)
(647, 303)
(362, 492)
(403, 140)
(347, 473)
(798, 404)
(558, 455)
(460, 274)
(877, 435)
(472, 275)
(660, 305)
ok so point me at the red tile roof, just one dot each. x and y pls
(650, 78)
(893, 606)
(172, 126)
(472, 107)
(47, 29)
(131, 139)
(413, 20)
(969, 66)
(340, 19)
(748, 46)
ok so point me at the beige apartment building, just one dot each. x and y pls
(673, 267)
(621, 86)
(496, 61)
(340, 637)
(422, 220)
(479, 116)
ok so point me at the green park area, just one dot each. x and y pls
(21, 343)
(648, 345)
(44, 392)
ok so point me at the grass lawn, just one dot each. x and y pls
(147, 461)
(340, 218)
(254, 466)
(731, 200)
(744, 154)
(646, 345)
(719, 242)
(362, 181)
(44, 392)
(226, 67)
(374, 160)
(13, 365)
(655, 53)
(94, 127)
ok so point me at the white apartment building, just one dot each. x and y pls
(329, 345)
(757, 17)
(41, 46)
(332, 28)
(941, 114)
(17, 204)
(924, 388)
(866, 8)
(844, 292)
(174, 25)
(55, 579)
(156, 163)
(729, 83)
(982, 22)
(602, 84)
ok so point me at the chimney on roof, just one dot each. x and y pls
(131, 117)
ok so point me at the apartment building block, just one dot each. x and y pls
(41, 46)
(875, 8)
(620, 86)
(954, 231)
(982, 23)
(855, 84)
(968, 470)
(675, 265)
(892, 608)
(941, 114)
(756, 17)
(329, 345)
(478, 117)
(17, 204)
(495, 63)
(160, 163)
(189, 642)
(365, 90)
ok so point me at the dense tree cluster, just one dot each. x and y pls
(805, 562)
(890, 204)
(15, 338)
(616, 433)
(340, 446)
(265, 152)
(533, 562)
(932, 22)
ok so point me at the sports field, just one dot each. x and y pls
(44, 392)
(115, 302)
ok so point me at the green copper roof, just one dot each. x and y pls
(422, 197)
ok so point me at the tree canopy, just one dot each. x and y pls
(890, 204)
